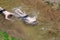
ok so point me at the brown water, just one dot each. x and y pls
(49, 19)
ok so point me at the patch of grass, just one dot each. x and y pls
(49, 3)
(58, 6)
(6, 36)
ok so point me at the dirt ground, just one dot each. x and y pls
(49, 20)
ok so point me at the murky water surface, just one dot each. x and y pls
(48, 28)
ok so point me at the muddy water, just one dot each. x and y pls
(53, 1)
(49, 20)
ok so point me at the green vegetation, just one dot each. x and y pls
(58, 6)
(49, 3)
(6, 36)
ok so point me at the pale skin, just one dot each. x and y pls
(29, 20)
(6, 13)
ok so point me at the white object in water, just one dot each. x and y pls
(25, 17)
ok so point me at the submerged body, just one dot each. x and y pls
(25, 17)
